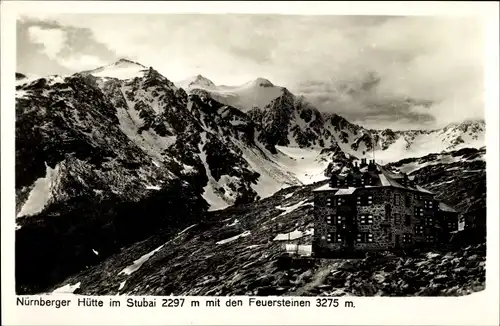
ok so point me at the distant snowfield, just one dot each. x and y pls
(305, 164)
(422, 145)
(290, 167)
(257, 93)
(442, 159)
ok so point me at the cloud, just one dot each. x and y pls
(358, 66)
(51, 39)
(48, 47)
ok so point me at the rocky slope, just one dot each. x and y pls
(242, 251)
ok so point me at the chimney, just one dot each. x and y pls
(363, 163)
(372, 166)
(356, 167)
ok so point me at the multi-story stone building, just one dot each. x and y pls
(370, 208)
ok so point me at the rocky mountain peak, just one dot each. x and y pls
(200, 80)
(124, 61)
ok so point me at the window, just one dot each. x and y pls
(419, 212)
(365, 219)
(364, 237)
(407, 238)
(429, 220)
(329, 202)
(428, 204)
(429, 238)
(334, 237)
(364, 200)
(419, 229)
(452, 226)
(407, 220)
(397, 199)
(340, 201)
(397, 219)
(336, 220)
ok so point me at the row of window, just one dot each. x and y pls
(352, 182)
(366, 219)
(368, 200)
(363, 237)
(338, 219)
(408, 238)
(335, 201)
(364, 200)
(366, 237)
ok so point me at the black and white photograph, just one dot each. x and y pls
(260, 155)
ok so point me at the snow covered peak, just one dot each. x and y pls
(121, 69)
(198, 81)
(261, 82)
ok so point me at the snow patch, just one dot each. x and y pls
(41, 193)
(290, 209)
(95, 252)
(153, 187)
(253, 246)
(139, 262)
(236, 221)
(242, 235)
(122, 285)
(68, 288)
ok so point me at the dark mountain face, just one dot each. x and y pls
(97, 191)
(102, 163)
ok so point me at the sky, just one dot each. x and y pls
(380, 72)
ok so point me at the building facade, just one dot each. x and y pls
(369, 208)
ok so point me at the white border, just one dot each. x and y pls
(476, 309)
